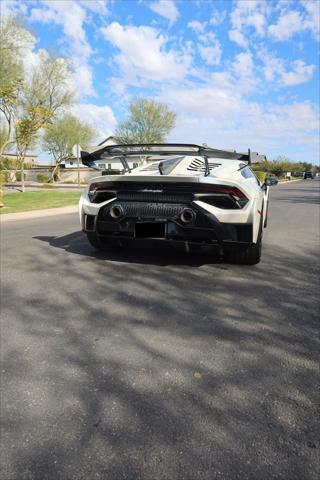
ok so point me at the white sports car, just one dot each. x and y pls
(183, 194)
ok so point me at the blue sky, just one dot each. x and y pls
(238, 74)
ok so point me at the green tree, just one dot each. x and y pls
(282, 164)
(29, 101)
(3, 135)
(49, 86)
(62, 135)
(43, 96)
(13, 38)
(148, 122)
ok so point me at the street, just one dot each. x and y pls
(161, 365)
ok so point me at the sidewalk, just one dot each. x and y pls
(44, 186)
(48, 212)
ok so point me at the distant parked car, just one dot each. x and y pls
(271, 181)
(307, 175)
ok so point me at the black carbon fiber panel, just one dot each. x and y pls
(148, 210)
(154, 197)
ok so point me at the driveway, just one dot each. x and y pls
(157, 365)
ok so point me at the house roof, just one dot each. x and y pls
(33, 155)
(108, 141)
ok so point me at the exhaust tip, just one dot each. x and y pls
(187, 215)
(116, 211)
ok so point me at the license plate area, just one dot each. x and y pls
(150, 230)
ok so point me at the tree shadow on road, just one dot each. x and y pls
(159, 369)
(77, 242)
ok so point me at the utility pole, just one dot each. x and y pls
(78, 161)
(76, 152)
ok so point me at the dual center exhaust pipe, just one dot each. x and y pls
(186, 216)
(116, 211)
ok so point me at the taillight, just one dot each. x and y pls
(223, 189)
(234, 194)
(106, 189)
(99, 186)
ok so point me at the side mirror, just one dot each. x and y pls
(270, 182)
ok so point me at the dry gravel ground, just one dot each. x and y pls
(159, 365)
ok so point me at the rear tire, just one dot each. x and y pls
(95, 242)
(250, 255)
(266, 219)
(246, 256)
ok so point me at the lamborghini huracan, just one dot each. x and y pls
(182, 194)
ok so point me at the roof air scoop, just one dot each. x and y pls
(165, 167)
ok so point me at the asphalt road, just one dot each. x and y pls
(161, 365)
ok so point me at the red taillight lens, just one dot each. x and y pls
(100, 186)
(222, 189)
(101, 191)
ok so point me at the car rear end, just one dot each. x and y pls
(187, 210)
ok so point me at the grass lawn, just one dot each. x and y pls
(23, 202)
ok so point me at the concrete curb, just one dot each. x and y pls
(290, 181)
(48, 212)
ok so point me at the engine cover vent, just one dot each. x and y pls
(198, 165)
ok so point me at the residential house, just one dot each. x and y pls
(115, 163)
(106, 163)
(29, 159)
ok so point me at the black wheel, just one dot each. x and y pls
(96, 242)
(246, 256)
(266, 219)
(250, 255)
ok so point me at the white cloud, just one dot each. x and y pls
(243, 65)
(217, 17)
(72, 16)
(312, 19)
(301, 73)
(202, 100)
(227, 120)
(275, 71)
(211, 55)
(165, 8)
(197, 26)
(143, 54)
(209, 46)
(272, 68)
(292, 22)
(287, 25)
(99, 117)
(246, 15)
(96, 6)
(238, 37)
(12, 7)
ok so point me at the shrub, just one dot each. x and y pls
(41, 178)
(4, 177)
(6, 164)
(111, 172)
(261, 175)
(18, 176)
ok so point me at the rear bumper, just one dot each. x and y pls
(162, 223)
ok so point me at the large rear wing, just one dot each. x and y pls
(164, 149)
